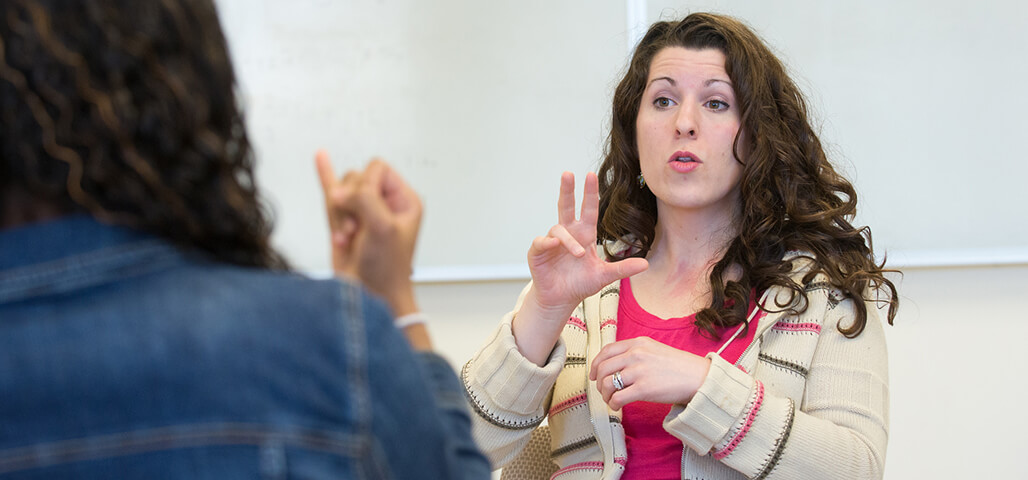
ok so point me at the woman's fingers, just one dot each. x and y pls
(325, 171)
(617, 359)
(567, 240)
(629, 392)
(342, 235)
(339, 201)
(604, 362)
(619, 398)
(566, 200)
(590, 200)
(622, 359)
(623, 268)
(542, 244)
(399, 196)
(372, 204)
(329, 190)
(342, 223)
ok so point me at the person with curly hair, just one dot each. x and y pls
(148, 328)
(728, 327)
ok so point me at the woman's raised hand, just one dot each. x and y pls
(565, 270)
(564, 264)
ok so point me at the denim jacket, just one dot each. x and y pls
(122, 356)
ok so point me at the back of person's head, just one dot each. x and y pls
(126, 110)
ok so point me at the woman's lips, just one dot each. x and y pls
(684, 162)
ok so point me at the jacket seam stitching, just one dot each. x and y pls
(783, 437)
(785, 364)
(574, 446)
(483, 412)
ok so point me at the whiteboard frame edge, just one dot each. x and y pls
(898, 259)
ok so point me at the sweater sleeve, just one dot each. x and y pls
(508, 393)
(839, 430)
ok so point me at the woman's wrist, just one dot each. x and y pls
(537, 328)
(547, 311)
(408, 318)
(417, 336)
(401, 300)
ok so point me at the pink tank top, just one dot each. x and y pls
(652, 452)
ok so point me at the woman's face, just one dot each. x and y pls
(686, 127)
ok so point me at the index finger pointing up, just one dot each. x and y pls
(325, 171)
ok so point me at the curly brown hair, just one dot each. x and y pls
(126, 110)
(791, 196)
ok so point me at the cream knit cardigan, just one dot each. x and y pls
(802, 402)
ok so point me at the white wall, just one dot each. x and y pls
(958, 361)
(956, 354)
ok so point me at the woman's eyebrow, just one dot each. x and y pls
(668, 79)
(706, 83)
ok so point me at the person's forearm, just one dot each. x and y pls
(401, 301)
(537, 329)
(417, 336)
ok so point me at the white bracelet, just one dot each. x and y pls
(409, 319)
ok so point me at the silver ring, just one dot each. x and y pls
(618, 383)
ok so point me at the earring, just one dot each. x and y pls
(642, 181)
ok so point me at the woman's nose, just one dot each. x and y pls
(685, 122)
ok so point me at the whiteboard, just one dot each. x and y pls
(482, 105)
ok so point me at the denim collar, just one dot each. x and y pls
(74, 252)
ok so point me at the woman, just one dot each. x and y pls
(148, 328)
(743, 340)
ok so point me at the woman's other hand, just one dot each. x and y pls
(565, 270)
(650, 372)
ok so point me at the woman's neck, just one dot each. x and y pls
(686, 246)
(690, 240)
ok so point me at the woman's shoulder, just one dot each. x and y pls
(800, 262)
(804, 271)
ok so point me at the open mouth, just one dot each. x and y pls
(684, 157)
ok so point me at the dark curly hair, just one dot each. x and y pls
(791, 196)
(126, 110)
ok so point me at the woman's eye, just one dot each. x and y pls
(663, 102)
(717, 105)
